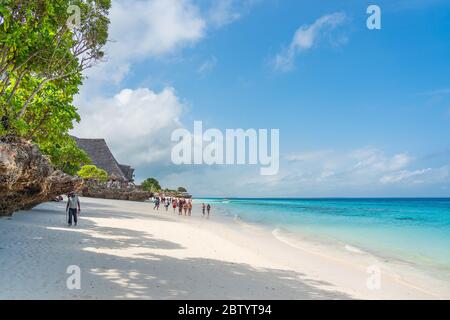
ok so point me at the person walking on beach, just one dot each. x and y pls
(185, 207)
(189, 208)
(167, 204)
(180, 207)
(156, 204)
(73, 208)
(208, 209)
(174, 205)
(203, 210)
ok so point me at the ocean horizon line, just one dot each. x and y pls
(324, 198)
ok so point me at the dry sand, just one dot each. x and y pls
(127, 250)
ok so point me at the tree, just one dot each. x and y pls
(182, 189)
(45, 45)
(91, 172)
(151, 184)
(65, 154)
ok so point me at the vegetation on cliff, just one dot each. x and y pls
(45, 45)
(151, 184)
(91, 172)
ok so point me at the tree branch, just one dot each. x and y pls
(30, 98)
(41, 122)
(16, 85)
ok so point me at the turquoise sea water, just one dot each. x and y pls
(414, 231)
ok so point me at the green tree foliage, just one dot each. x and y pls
(65, 155)
(151, 184)
(182, 189)
(44, 47)
(91, 172)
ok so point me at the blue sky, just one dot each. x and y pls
(361, 112)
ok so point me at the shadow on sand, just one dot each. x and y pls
(141, 275)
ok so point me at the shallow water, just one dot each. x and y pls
(411, 231)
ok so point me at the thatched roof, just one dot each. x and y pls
(101, 156)
(128, 171)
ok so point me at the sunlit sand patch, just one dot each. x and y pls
(92, 233)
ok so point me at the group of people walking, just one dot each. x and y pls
(73, 207)
(183, 205)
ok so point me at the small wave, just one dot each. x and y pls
(277, 234)
(353, 249)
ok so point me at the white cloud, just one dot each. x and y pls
(154, 27)
(306, 37)
(142, 29)
(207, 66)
(403, 175)
(224, 12)
(422, 176)
(137, 124)
(375, 160)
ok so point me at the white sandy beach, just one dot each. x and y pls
(127, 250)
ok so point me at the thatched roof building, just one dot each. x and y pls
(102, 157)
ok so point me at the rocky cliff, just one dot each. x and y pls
(118, 194)
(27, 178)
